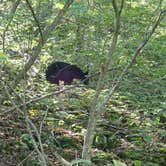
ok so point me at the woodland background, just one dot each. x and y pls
(119, 118)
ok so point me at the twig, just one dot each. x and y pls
(46, 96)
(35, 18)
(36, 50)
(133, 60)
(61, 159)
(29, 123)
(95, 112)
(42, 122)
(21, 163)
(100, 102)
(13, 10)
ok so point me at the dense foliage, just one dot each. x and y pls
(131, 126)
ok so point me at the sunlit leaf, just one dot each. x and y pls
(118, 163)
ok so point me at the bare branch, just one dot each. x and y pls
(36, 51)
(30, 154)
(96, 109)
(133, 60)
(121, 6)
(13, 10)
(45, 96)
(43, 120)
(38, 48)
(116, 32)
(95, 112)
(29, 123)
(61, 159)
(31, 126)
(35, 18)
(40, 151)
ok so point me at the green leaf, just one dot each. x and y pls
(118, 163)
(137, 162)
(147, 138)
(80, 161)
(2, 56)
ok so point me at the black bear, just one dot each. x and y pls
(61, 71)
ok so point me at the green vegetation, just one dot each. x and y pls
(120, 116)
